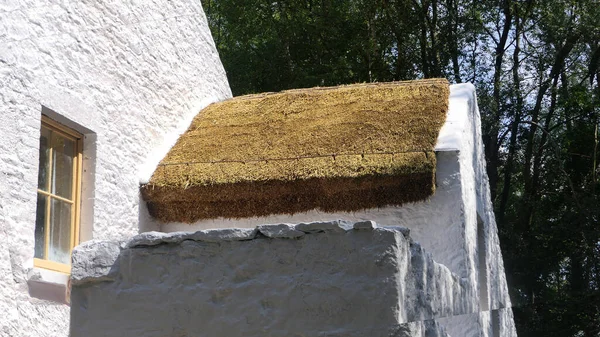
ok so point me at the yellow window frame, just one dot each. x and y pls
(76, 196)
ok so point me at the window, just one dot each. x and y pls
(58, 196)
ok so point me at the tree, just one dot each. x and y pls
(536, 66)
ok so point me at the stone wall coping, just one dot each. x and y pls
(274, 231)
(96, 261)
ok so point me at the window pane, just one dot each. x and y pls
(60, 232)
(40, 221)
(44, 156)
(62, 165)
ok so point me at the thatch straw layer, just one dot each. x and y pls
(340, 148)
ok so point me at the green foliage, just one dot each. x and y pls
(536, 65)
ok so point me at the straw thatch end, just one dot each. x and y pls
(336, 149)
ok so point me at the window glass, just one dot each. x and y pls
(63, 151)
(40, 222)
(59, 248)
(44, 158)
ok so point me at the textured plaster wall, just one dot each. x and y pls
(494, 323)
(477, 199)
(125, 73)
(333, 279)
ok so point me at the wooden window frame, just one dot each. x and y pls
(76, 196)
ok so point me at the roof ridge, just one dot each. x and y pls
(340, 86)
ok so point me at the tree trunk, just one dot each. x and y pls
(453, 17)
(508, 169)
(491, 141)
(422, 10)
(529, 188)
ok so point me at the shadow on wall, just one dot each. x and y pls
(146, 222)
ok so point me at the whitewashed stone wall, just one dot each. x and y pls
(314, 279)
(126, 74)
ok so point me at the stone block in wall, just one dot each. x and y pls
(338, 281)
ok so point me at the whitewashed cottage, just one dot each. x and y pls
(379, 226)
(360, 210)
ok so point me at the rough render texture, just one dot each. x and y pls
(446, 224)
(493, 323)
(126, 72)
(319, 279)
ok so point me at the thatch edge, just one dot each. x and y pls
(247, 196)
(277, 197)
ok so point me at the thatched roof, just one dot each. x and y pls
(337, 149)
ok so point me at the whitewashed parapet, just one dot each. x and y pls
(323, 278)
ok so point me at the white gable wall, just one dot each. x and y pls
(126, 74)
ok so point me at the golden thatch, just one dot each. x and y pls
(338, 148)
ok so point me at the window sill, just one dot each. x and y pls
(49, 285)
(51, 265)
